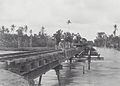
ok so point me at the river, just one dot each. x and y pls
(102, 73)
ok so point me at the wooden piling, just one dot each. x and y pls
(58, 76)
(40, 78)
(83, 69)
(70, 60)
(89, 59)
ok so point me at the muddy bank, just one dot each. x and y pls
(8, 78)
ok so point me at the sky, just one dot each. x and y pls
(87, 16)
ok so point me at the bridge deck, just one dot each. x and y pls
(32, 64)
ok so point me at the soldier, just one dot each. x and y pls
(61, 44)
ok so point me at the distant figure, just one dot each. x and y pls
(61, 44)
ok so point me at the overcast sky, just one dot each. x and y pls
(87, 16)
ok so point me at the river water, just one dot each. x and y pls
(102, 73)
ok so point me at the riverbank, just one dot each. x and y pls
(8, 78)
(110, 48)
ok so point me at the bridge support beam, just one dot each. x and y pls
(83, 69)
(83, 64)
(58, 76)
(89, 60)
(57, 70)
(40, 78)
(70, 60)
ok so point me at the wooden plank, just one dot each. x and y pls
(40, 70)
(97, 58)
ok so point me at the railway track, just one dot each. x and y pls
(25, 54)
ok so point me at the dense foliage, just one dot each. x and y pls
(108, 41)
(18, 37)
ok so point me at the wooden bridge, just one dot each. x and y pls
(33, 64)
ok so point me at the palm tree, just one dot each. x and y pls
(25, 28)
(100, 39)
(20, 34)
(69, 21)
(20, 31)
(3, 29)
(12, 28)
(30, 32)
(42, 30)
(78, 37)
(114, 32)
(57, 37)
(7, 30)
(67, 37)
(105, 39)
(30, 38)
